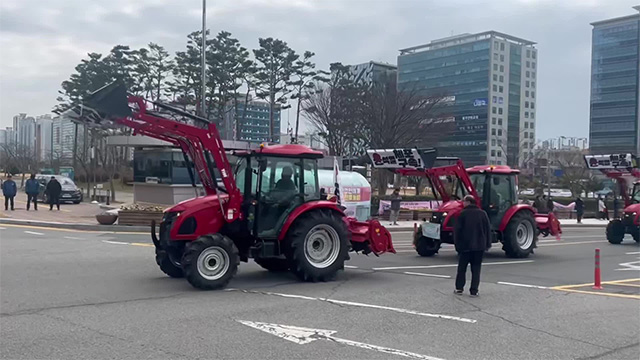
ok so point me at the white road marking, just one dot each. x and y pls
(633, 253)
(2, 228)
(450, 265)
(72, 238)
(34, 233)
(350, 267)
(634, 265)
(547, 240)
(428, 275)
(522, 285)
(115, 242)
(301, 335)
(350, 303)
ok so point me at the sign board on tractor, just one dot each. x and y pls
(611, 161)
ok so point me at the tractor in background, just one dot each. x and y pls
(494, 187)
(623, 169)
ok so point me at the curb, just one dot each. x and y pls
(81, 227)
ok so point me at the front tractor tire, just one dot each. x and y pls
(210, 262)
(318, 245)
(168, 264)
(426, 246)
(615, 231)
(520, 236)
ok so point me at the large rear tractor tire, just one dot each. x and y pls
(168, 264)
(273, 264)
(318, 245)
(615, 231)
(426, 246)
(210, 262)
(520, 236)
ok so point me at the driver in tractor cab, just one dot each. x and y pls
(285, 183)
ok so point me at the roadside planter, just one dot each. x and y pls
(137, 215)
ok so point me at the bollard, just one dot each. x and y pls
(597, 281)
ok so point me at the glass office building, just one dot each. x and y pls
(250, 122)
(488, 83)
(614, 119)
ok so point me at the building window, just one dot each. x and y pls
(533, 65)
(495, 44)
(532, 115)
(528, 63)
(495, 77)
(493, 110)
(495, 87)
(531, 125)
(493, 121)
(526, 135)
(527, 83)
(495, 67)
(528, 53)
(493, 131)
(528, 74)
(495, 56)
(501, 78)
(493, 142)
(526, 104)
(501, 68)
(533, 105)
(525, 145)
(499, 155)
(533, 94)
(534, 55)
(500, 111)
(502, 46)
(500, 88)
(499, 132)
(495, 99)
(493, 153)
(499, 142)
(526, 114)
(499, 121)
(533, 84)
(501, 57)
(526, 93)
(533, 74)
(526, 125)
(500, 100)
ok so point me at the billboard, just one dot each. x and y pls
(611, 161)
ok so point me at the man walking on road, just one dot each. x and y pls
(9, 191)
(395, 206)
(579, 209)
(53, 191)
(32, 188)
(472, 237)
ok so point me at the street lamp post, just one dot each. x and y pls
(204, 57)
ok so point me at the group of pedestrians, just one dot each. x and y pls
(32, 188)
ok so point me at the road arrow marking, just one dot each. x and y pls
(33, 233)
(301, 335)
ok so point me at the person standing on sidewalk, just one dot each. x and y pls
(9, 191)
(53, 191)
(579, 209)
(32, 188)
(395, 206)
(472, 237)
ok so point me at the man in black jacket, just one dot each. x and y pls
(472, 237)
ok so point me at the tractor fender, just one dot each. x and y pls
(304, 208)
(512, 211)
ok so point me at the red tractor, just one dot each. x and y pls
(269, 207)
(623, 169)
(514, 225)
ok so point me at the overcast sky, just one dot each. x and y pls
(41, 41)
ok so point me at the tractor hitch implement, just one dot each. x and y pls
(268, 207)
(494, 187)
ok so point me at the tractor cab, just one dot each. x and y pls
(497, 190)
(274, 181)
(635, 193)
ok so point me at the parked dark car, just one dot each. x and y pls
(70, 192)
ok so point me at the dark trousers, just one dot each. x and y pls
(54, 201)
(7, 200)
(475, 259)
(580, 213)
(32, 198)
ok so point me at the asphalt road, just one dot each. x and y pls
(71, 295)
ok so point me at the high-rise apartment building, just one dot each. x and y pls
(44, 137)
(615, 117)
(250, 121)
(488, 85)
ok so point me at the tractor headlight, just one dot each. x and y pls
(444, 214)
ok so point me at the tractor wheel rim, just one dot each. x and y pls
(322, 246)
(524, 235)
(213, 263)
